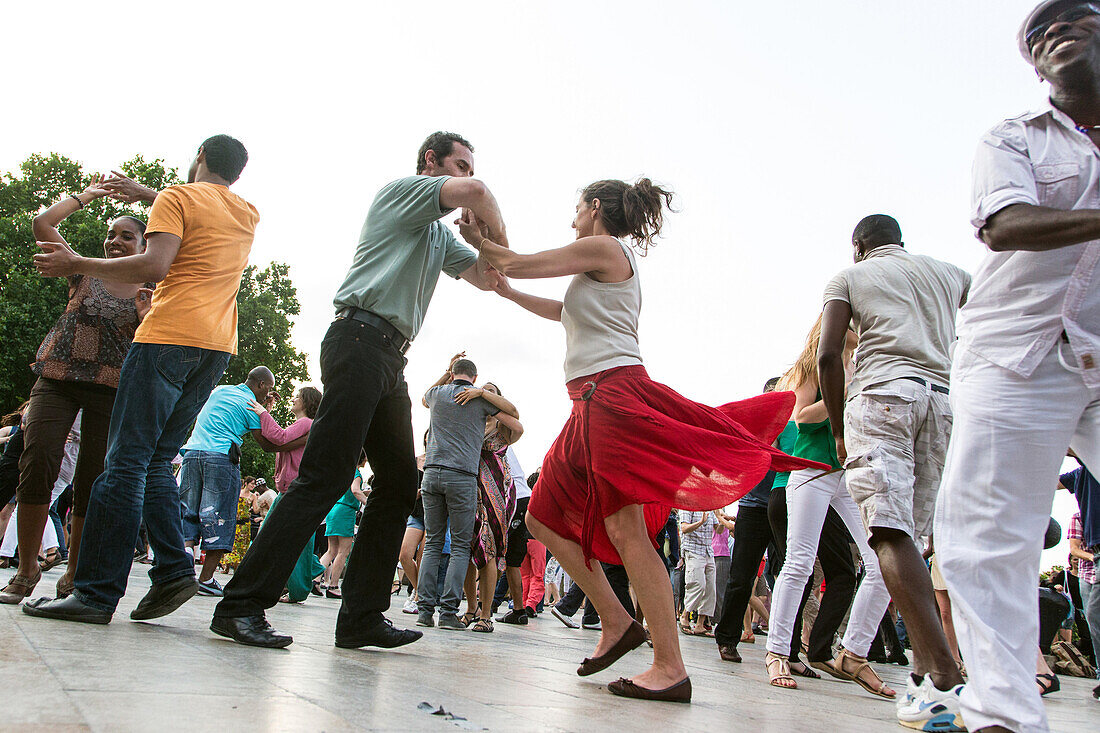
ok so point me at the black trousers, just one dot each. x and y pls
(574, 597)
(365, 407)
(834, 552)
(751, 535)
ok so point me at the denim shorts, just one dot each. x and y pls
(414, 523)
(210, 485)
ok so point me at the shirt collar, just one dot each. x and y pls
(886, 249)
(462, 382)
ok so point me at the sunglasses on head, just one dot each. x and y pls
(1067, 16)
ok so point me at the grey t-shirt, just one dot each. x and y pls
(903, 310)
(457, 431)
(402, 249)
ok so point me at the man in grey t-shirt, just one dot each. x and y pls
(449, 489)
(892, 434)
(402, 251)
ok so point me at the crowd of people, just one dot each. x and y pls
(930, 411)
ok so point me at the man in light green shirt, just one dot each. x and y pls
(380, 307)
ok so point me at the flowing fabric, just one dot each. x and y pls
(241, 538)
(496, 503)
(630, 440)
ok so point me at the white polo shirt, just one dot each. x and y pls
(1021, 302)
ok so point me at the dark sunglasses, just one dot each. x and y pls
(1068, 16)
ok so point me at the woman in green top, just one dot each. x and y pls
(809, 496)
(340, 530)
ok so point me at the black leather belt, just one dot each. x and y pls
(933, 387)
(378, 323)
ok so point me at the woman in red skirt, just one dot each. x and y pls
(632, 448)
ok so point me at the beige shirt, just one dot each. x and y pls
(903, 310)
(601, 323)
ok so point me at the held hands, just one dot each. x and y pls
(123, 188)
(472, 229)
(470, 393)
(56, 260)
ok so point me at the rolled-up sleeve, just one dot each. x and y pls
(1002, 174)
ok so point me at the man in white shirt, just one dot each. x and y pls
(1025, 380)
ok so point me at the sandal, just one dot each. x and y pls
(468, 618)
(748, 638)
(1051, 685)
(483, 626)
(781, 675)
(64, 586)
(52, 560)
(19, 587)
(800, 669)
(836, 669)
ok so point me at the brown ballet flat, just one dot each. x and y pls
(632, 638)
(680, 692)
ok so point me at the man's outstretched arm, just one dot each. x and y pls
(830, 366)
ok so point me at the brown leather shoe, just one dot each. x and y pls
(729, 653)
(632, 638)
(680, 692)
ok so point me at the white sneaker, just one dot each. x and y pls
(410, 606)
(931, 709)
(911, 688)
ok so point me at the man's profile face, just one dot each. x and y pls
(460, 163)
(1065, 45)
(194, 169)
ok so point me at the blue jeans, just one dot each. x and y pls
(210, 485)
(160, 392)
(447, 495)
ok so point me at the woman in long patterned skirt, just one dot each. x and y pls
(496, 503)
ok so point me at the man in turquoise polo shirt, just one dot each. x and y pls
(380, 307)
(210, 477)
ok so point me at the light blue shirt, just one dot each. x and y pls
(224, 420)
(402, 249)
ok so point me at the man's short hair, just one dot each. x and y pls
(877, 229)
(465, 367)
(225, 156)
(443, 144)
(260, 375)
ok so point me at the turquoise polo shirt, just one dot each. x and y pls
(224, 420)
(402, 249)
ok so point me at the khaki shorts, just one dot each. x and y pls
(896, 434)
(937, 577)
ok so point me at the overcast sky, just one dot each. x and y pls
(779, 126)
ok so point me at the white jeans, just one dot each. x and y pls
(1009, 439)
(49, 533)
(700, 593)
(807, 504)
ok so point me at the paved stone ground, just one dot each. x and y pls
(174, 674)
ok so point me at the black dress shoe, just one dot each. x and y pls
(66, 609)
(514, 617)
(530, 611)
(163, 598)
(383, 634)
(250, 630)
(729, 653)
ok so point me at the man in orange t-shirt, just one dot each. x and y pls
(199, 236)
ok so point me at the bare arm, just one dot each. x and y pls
(447, 377)
(1077, 549)
(601, 256)
(515, 427)
(724, 520)
(830, 367)
(545, 307)
(472, 194)
(1031, 228)
(692, 526)
(357, 490)
(44, 226)
(59, 260)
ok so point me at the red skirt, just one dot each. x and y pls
(630, 440)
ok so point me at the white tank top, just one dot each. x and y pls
(601, 323)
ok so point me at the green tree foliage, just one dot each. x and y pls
(30, 304)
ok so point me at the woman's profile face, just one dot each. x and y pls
(585, 219)
(123, 239)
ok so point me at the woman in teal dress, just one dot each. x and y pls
(340, 530)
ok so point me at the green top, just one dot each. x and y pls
(402, 249)
(785, 443)
(815, 441)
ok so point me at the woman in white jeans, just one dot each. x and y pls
(809, 496)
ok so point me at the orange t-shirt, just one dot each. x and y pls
(196, 304)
